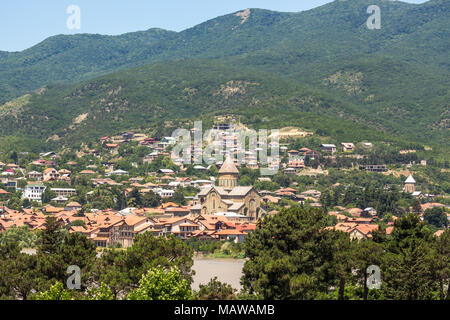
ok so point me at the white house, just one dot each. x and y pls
(164, 193)
(33, 192)
(165, 171)
(347, 146)
(119, 172)
(328, 147)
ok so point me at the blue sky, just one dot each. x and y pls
(24, 23)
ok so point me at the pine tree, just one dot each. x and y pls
(52, 236)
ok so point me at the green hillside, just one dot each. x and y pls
(164, 96)
(266, 39)
(319, 69)
(69, 59)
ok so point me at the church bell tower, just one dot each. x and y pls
(228, 174)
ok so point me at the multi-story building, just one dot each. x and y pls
(51, 174)
(375, 167)
(64, 192)
(120, 231)
(33, 192)
(35, 175)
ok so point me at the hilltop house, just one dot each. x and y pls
(375, 167)
(347, 146)
(328, 147)
(35, 175)
(51, 174)
(8, 183)
(64, 192)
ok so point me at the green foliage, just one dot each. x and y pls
(149, 251)
(161, 284)
(436, 216)
(48, 195)
(178, 197)
(112, 270)
(78, 250)
(76, 223)
(56, 292)
(151, 199)
(204, 246)
(110, 276)
(20, 275)
(408, 264)
(52, 236)
(441, 264)
(365, 254)
(266, 185)
(365, 190)
(217, 249)
(121, 270)
(290, 257)
(22, 236)
(215, 290)
(73, 58)
(103, 292)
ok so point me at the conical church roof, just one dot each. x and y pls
(228, 167)
(410, 179)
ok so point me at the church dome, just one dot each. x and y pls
(228, 167)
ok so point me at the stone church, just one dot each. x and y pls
(410, 184)
(228, 196)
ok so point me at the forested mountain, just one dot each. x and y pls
(70, 58)
(323, 63)
(177, 91)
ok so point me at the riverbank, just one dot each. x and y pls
(218, 255)
(206, 267)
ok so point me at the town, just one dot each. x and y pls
(129, 184)
(293, 151)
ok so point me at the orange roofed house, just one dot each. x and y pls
(51, 174)
(116, 230)
(181, 227)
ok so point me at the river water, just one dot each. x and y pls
(226, 270)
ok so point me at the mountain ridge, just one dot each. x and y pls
(395, 78)
(263, 30)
